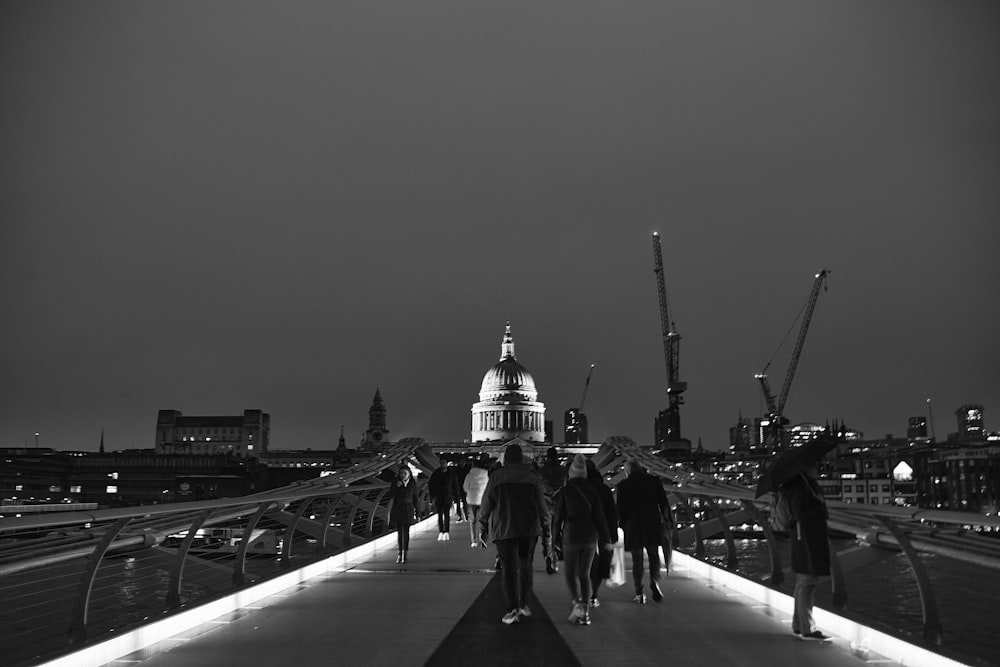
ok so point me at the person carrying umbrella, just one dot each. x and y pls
(796, 473)
(810, 548)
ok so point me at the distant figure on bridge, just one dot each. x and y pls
(642, 504)
(579, 525)
(474, 486)
(461, 501)
(601, 569)
(403, 502)
(442, 489)
(553, 475)
(512, 514)
(810, 548)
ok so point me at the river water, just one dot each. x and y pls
(884, 596)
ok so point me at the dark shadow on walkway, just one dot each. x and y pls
(481, 639)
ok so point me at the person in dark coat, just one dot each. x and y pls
(512, 514)
(579, 525)
(403, 501)
(810, 548)
(642, 503)
(553, 476)
(601, 568)
(442, 489)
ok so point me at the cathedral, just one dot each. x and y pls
(507, 407)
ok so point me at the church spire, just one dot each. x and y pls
(507, 347)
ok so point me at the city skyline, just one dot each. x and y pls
(286, 207)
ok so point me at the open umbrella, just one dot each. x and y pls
(790, 463)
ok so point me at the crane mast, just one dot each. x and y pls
(776, 407)
(671, 353)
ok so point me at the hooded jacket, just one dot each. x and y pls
(512, 505)
(475, 484)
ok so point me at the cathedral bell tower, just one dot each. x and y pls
(377, 433)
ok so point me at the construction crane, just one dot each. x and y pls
(776, 407)
(574, 420)
(668, 424)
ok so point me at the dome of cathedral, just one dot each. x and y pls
(508, 376)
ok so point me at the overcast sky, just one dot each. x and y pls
(215, 206)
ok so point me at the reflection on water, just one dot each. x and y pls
(884, 595)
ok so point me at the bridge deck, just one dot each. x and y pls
(444, 608)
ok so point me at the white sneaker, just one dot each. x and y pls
(512, 616)
(440, 537)
(446, 537)
(525, 611)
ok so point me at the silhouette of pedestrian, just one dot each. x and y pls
(403, 501)
(642, 503)
(511, 515)
(810, 548)
(579, 525)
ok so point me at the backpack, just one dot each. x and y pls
(780, 515)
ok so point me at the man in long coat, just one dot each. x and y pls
(642, 504)
(810, 548)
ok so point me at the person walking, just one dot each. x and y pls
(474, 486)
(512, 514)
(579, 525)
(642, 502)
(403, 502)
(810, 548)
(441, 488)
(461, 499)
(601, 568)
(553, 476)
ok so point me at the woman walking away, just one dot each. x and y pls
(403, 501)
(601, 569)
(474, 485)
(579, 524)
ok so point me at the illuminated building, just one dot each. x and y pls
(508, 407)
(241, 436)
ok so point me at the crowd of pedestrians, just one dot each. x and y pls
(512, 503)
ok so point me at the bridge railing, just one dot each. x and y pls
(72, 578)
(706, 508)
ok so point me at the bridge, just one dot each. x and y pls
(177, 584)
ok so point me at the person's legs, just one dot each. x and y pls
(637, 569)
(526, 551)
(474, 524)
(510, 564)
(586, 559)
(653, 551)
(600, 569)
(803, 594)
(571, 565)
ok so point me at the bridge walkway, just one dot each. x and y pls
(444, 608)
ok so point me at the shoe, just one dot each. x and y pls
(657, 593)
(473, 545)
(512, 616)
(815, 635)
(399, 557)
(549, 568)
(584, 620)
(440, 536)
(594, 602)
(404, 557)
(639, 599)
(525, 611)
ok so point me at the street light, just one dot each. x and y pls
(36, 440)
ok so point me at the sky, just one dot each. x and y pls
(212, 207)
